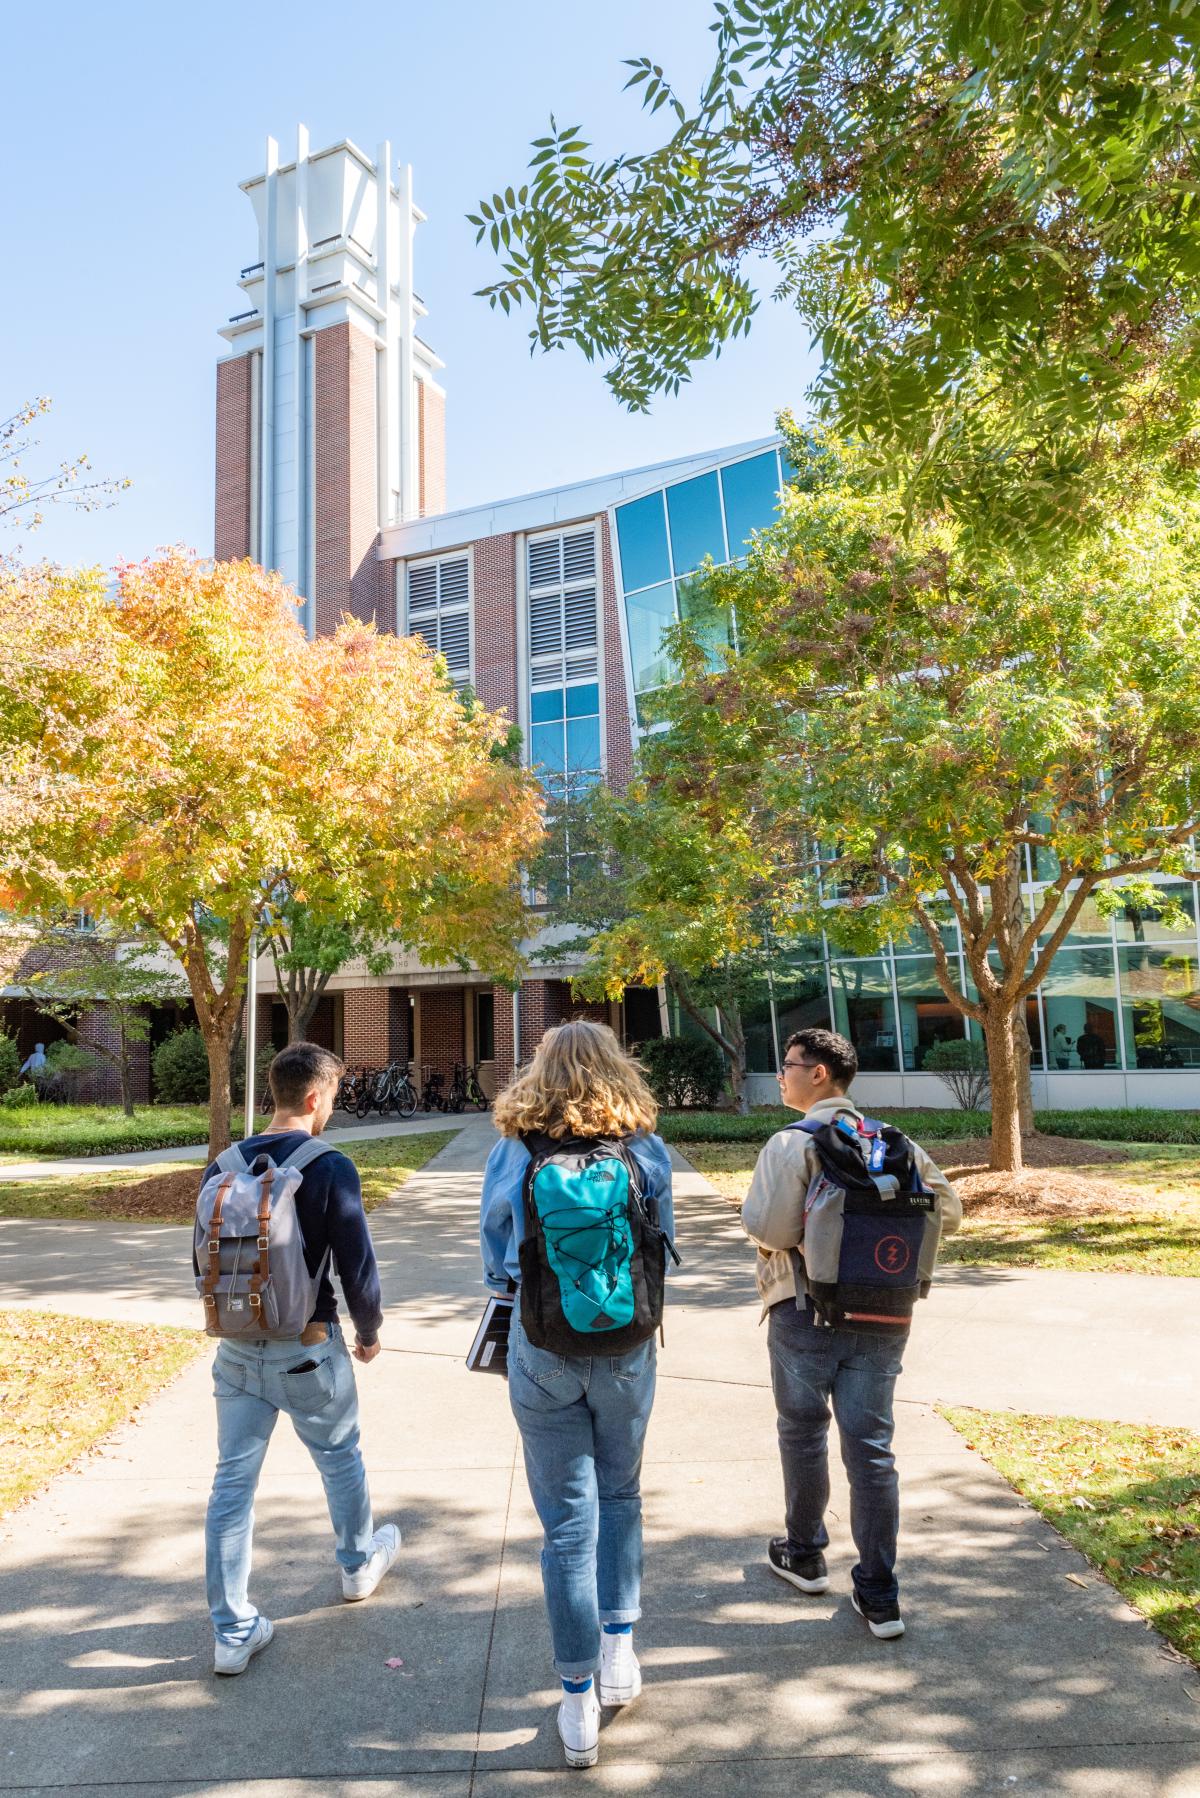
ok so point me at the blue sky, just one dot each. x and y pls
(124, 141)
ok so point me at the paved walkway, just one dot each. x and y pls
(88, 1164)
(1013, 1676)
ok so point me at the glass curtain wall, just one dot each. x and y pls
(665, 536)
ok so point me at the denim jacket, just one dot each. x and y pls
(502, 1215)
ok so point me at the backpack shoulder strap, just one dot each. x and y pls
(803, 1124)
(232, 1161)
(307, 1153)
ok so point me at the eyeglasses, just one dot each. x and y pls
(795, 1064)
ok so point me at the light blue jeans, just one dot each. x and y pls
(252, 1383)
(583, 1426)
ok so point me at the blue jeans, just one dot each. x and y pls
(583, 1426)
(252, 1383)
(811, 1369)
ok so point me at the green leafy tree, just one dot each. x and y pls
(308, 949)
(986, 216)
(651, 897)
(73, 975)
(901, 721)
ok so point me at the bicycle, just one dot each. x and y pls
(350, 1088)
(431, 1093)
(389, 1089)
(465, 1089)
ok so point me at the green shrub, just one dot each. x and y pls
(19, 1098)
(180, 1066)
(683, 1070)
(1130, 1124)
(10, 1063)
(948, 1125)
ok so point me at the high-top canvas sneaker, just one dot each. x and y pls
(579, 1727)
(620, 1675)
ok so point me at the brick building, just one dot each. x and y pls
(330, 466)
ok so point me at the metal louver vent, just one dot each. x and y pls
(453, 582)
(454, 641)
(545, 624)
(580, 610)
(545, 562)
(582, 667)
(422, 589)
(439, 611)
(547, 674)
(579, 556)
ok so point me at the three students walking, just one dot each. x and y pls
(577, 1224)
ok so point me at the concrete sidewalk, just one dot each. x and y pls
(1012, 1676)
(198, 1152)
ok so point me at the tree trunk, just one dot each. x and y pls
(125, 1071)
(301, 1005)
(1017, 920)
(220, 1099)
(1003, 1066)
(731, 1043)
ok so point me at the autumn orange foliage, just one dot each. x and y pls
(174, 753)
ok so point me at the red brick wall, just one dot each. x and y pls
(616, 705)
(365, 1026)
(348, 576)
(431, 448)
(98, 1027)
(443, 1028)
(496, 624)
(231, 536)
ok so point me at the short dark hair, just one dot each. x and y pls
(837, 1052)
(297, 1069)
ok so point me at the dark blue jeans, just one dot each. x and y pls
(812, 1370)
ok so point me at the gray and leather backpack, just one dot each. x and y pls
(253, 1279)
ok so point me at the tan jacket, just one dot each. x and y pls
(773, 1213)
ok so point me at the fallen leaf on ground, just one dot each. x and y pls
(1077, 1580)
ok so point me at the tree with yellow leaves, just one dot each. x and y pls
(179, 753)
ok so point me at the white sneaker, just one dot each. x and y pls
(579, 1727)
(620, 1675)
(363, 1581)
(234, 1657)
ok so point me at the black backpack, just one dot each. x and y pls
(593, 1257)
(871, 1228)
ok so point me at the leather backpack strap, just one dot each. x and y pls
(212, 1272)
(262, 1267)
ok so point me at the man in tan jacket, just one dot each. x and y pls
(814, 1367)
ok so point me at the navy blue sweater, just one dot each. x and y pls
(330, 1211)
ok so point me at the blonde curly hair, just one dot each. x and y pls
(579, 1083)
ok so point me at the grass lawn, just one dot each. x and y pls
(165, 1192)
(66, 1381)
(71, 1130)
(1126, 1495)
(1160, 1235)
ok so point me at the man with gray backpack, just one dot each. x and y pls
(847, 1215)
(274, 1213)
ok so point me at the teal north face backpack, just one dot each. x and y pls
(593, 1256)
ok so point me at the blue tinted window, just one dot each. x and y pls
(649, 614)
(582, 701)
(546, 746)
(642, 534)
(751, 496)
(710, 623)
(694, 508)
(583, 743)
(546, 705)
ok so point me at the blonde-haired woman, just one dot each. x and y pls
(582, 1417)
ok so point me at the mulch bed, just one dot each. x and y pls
(1048, 1186)
(164, 1197)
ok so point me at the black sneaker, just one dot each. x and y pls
(883, 1620)
(806, 1571)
